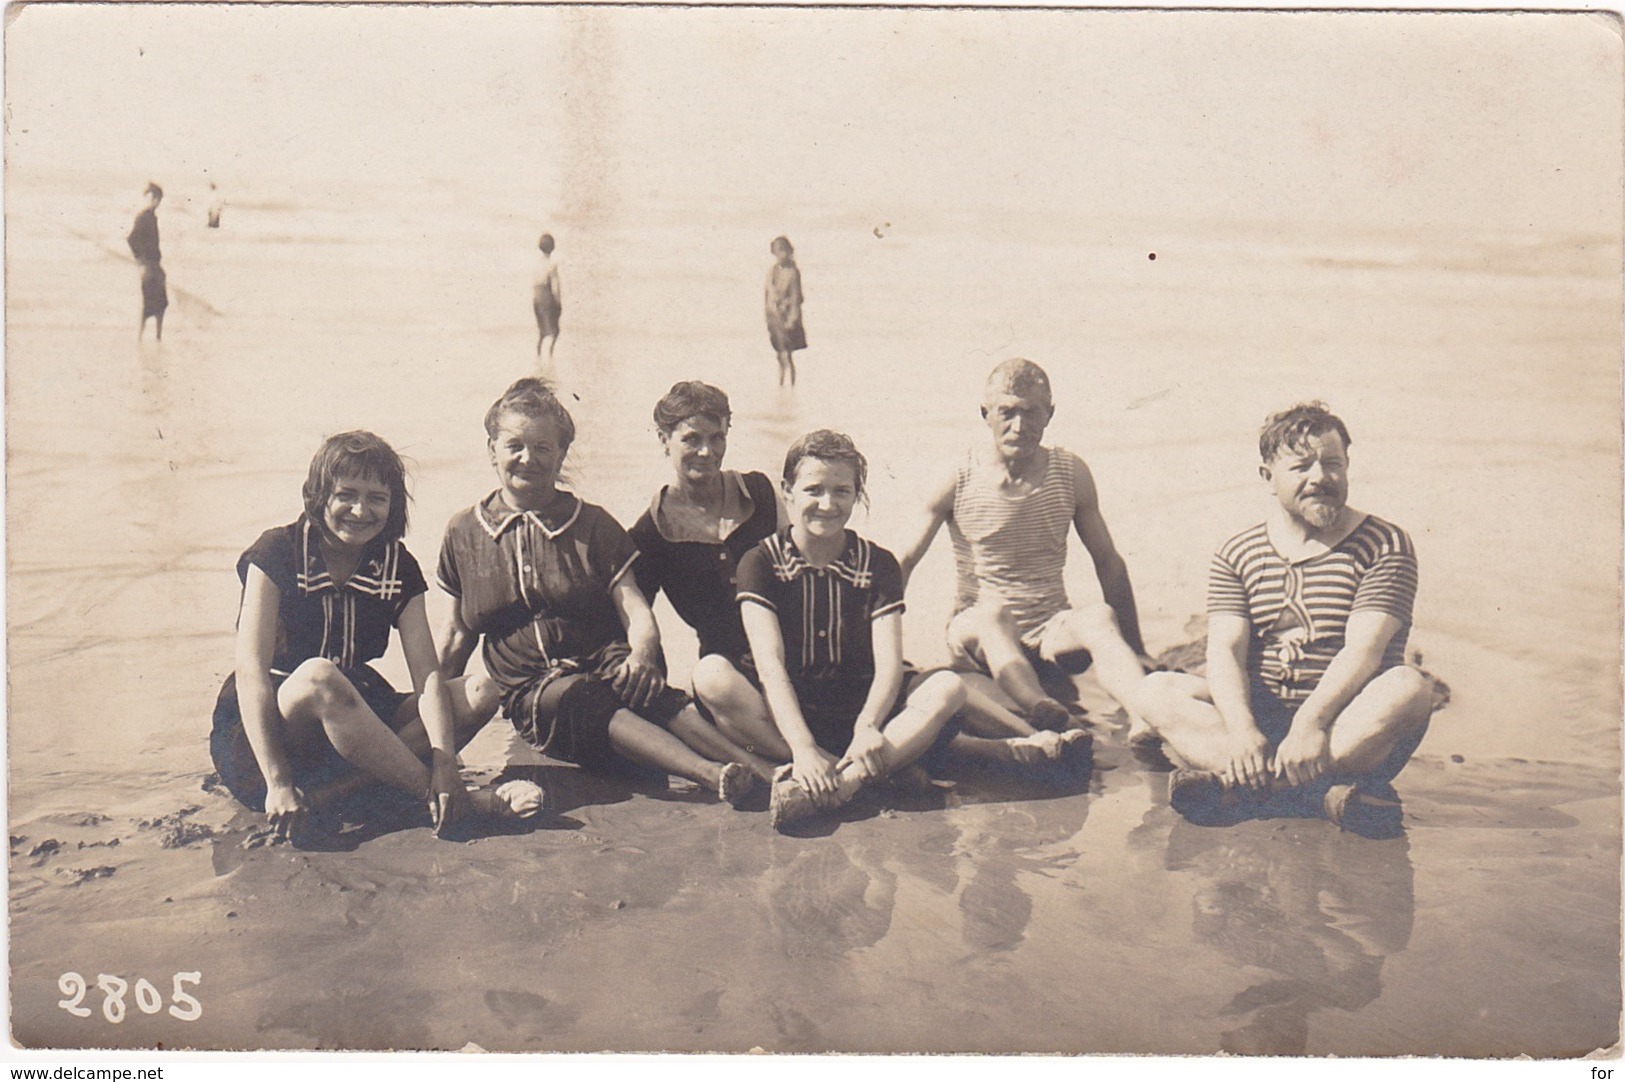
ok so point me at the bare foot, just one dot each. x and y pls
(1038, 748)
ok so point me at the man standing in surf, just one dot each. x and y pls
(1009, 507)
(1307, 689)
(143, 241)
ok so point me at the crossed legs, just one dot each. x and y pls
(1388, 714)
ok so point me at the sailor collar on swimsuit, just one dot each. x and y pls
(496, 516)
(852, 565)
(377, 574)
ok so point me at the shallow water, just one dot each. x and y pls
(1484, 405)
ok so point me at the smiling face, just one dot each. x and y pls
(357, 510)
(820, 499)
(1017, 423)
(1311, 480)
(696, 447)
(527, 454)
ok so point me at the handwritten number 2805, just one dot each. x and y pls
(148, 999)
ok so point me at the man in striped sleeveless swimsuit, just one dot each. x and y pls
(1009, 509)
(1308, 615)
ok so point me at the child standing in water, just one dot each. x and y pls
(304, 708)
(783, 298)
(547, 298)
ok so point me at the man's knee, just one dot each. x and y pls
(1163, 698)
(1410, 691)
(1087, 627)
(974, 628)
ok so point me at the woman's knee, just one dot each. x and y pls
(715, 679)
(317, 685)
(941, 693)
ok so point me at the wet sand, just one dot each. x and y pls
(1477, 365)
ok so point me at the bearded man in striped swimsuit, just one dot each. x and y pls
(1308, 613)
(1009, 509)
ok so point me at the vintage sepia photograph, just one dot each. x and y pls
(576, 528)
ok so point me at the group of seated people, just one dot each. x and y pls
(801, 684)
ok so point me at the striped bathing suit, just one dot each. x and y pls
(1300, 610)
(1013, 550)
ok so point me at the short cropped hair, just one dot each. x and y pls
(827, 446)
(531, 397)
(691, 398)
(781, 242)
(1291, 429)
(546, 244)
(1020, 377)
(153, 189)
(363, 455)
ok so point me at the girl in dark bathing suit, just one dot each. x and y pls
(304, 710)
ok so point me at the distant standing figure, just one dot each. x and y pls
(784, 308)
(546, 298)
(143, 240)
(217, 206)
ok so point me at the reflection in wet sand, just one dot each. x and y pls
(1317, 908)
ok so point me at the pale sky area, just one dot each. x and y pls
(1382, 118)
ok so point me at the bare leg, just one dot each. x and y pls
(738, 708)
(987, 632)
(644, 742)
(1094, 629)
(1392, 708)
(319, 694)
(692, 729)
(160, 318)
(1178, 708)
(911, 732)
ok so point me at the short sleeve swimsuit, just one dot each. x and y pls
(537, 588)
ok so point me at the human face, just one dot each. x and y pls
(1017, 423)
(357, 510)
(696, 447)
(820, 499)
(1311, 481)
(527, 453)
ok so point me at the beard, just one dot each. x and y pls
(1321, 510)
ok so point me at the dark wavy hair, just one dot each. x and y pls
(357, 454)
(827, 445)
(691, 398)
(1292, 428)
(531, 397)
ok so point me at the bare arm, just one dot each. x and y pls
(456, 644)
(448, 799)
(1364, 641)
(866, 749)
(1305, 752)
(1228, 640)
(1110, 568)
(937, 511)
(256, 696)
(639, 678)
(811, 766)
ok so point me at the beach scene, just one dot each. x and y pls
(1190, 219)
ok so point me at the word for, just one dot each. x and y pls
(1602, 1072)
(89, 1074)
(148, 999)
